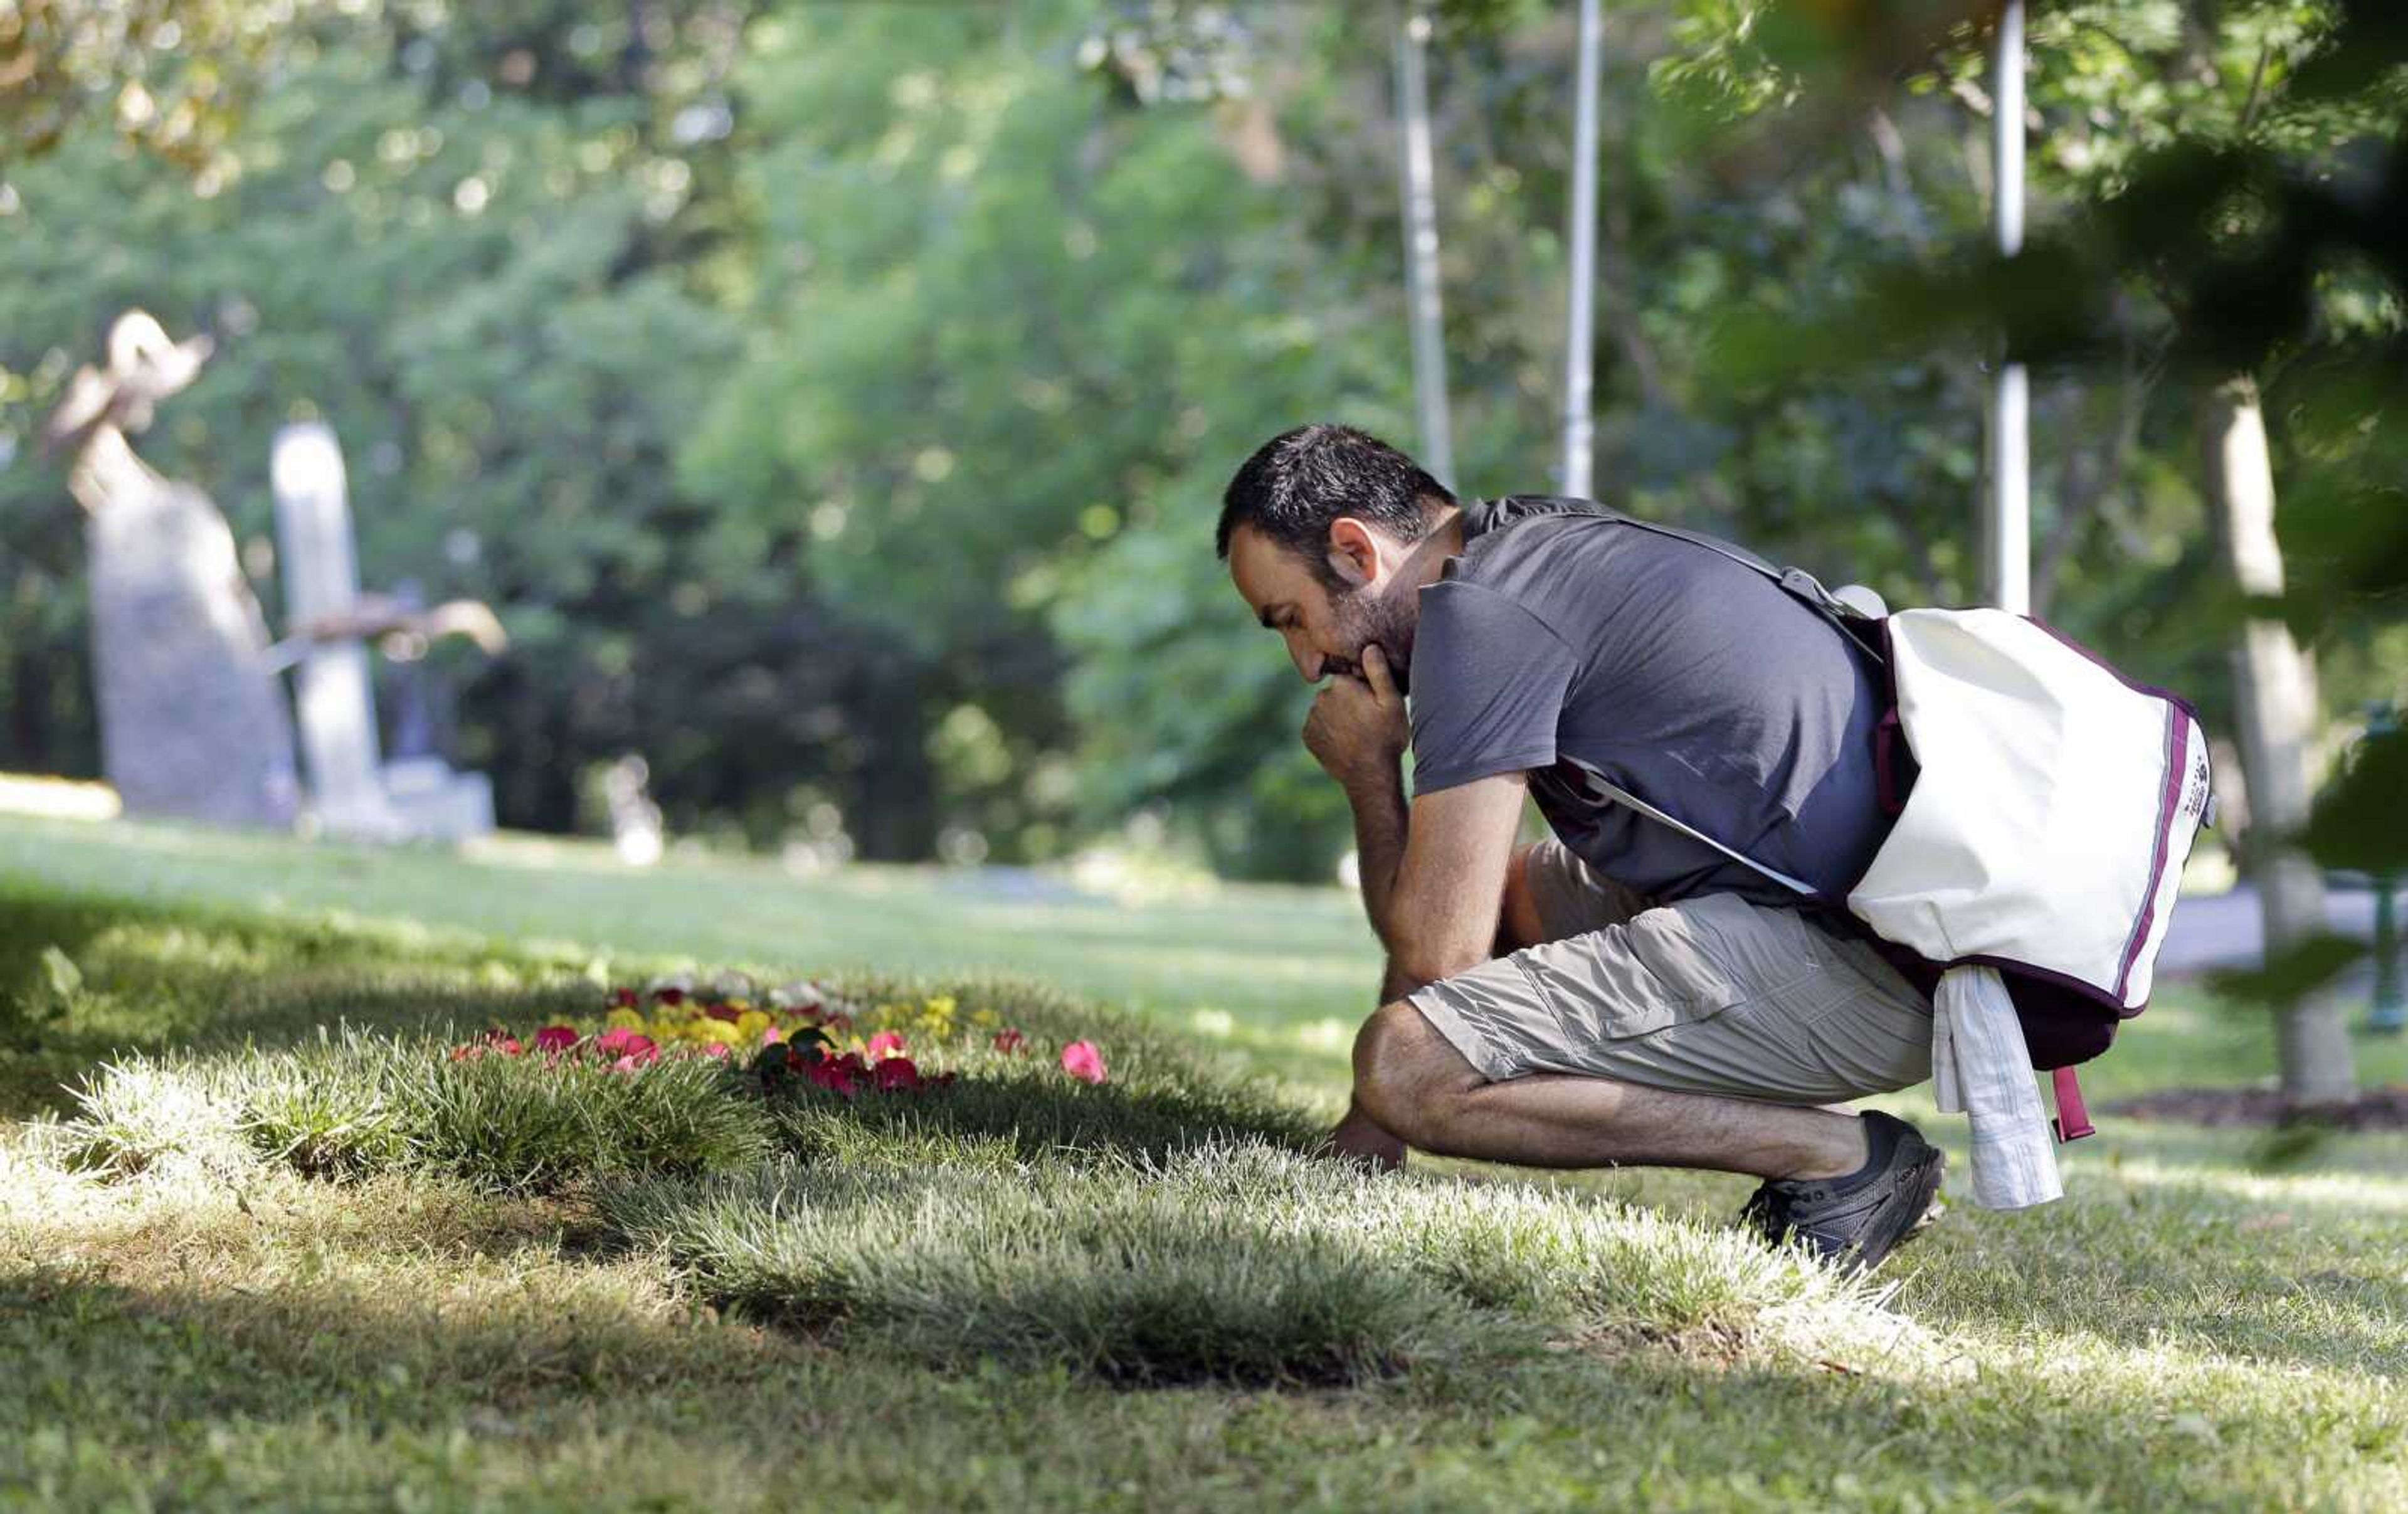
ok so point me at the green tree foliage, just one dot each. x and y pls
(837, 399)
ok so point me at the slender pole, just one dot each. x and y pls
(1424, 311)
(1580, 424)
(2007, 521)
(2390, 1009)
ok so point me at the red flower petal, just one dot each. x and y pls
(896, 1074)
(555, 1038)
(669, 996)
(886, 1043)
(1010, 1040)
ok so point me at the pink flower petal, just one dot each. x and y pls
(555, 1038)
(886, 1043)
(1084, 1060)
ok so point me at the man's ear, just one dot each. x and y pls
(1354, 552)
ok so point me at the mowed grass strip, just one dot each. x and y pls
(1234, 1262)
(356, 1104)
(1169, 1228)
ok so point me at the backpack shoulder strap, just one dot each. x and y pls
(1628, 800)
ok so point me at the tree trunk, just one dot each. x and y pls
(2275, 689)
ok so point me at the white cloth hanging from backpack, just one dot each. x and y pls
(1981, 1066)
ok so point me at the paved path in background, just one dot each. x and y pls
(2225, 930)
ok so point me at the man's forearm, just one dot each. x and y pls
(1378, 800)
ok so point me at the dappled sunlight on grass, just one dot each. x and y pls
(2353, 1193)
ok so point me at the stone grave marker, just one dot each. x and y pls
(331, 692)
(353, 791)
(193, 725)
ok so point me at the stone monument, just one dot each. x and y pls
(193, 725)
(352, 791)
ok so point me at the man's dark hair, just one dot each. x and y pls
(1299, 481)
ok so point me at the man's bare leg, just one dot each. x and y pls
(1411, 1083)
(1358, 1136)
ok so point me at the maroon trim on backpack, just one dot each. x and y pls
(2177, 770)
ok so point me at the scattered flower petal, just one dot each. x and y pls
(886, 1044)
(555, 1038)
(1084, 1060)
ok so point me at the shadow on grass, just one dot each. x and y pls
(1030, 1117)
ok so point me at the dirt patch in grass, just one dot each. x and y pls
(2376, 1109)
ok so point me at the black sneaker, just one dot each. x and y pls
(1856, 1221)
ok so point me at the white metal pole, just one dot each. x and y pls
(1424, 314)
(2007, 521)
(1580, 426)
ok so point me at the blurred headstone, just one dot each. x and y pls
(353, 792)
(321, 586)
(434, 798)
(413, 725)
(193, 725)
(635, 819)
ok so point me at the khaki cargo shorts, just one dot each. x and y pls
(1708, 995)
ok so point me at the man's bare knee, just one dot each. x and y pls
(1407, 1078)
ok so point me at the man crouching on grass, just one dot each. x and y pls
(1619, 994)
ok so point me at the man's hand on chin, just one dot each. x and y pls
(1359, 1140)
(1357, 730)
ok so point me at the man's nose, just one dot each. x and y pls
(1308, 663)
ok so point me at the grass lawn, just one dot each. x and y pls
(256, 1265)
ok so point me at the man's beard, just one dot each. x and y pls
(1364, 620)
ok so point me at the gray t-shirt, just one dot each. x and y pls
(1561, 644)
